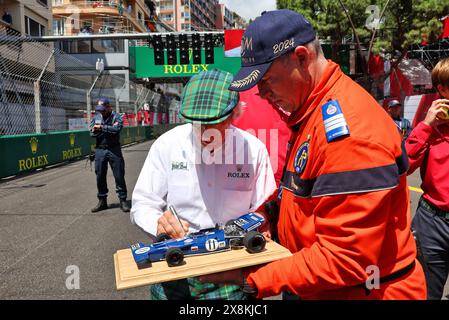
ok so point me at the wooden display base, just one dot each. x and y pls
(127, 275)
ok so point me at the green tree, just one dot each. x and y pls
(403, 22)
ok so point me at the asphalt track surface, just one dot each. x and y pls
(46, 228)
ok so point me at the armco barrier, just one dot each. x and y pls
(25, 153)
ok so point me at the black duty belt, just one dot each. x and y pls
(432, 208)
(391, 277)
(106, 146)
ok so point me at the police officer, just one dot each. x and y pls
(106, 127)
(404, 126)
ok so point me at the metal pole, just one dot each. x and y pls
(117, 99)
(117, 105)
(89, 102)
(145, 99)
(37, 95)
(37, 106)
(138, 100)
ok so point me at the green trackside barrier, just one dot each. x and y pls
(25, 153)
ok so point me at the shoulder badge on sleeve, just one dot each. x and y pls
(334, 121)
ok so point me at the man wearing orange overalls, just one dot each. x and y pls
(344, 201)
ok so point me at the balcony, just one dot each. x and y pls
(111, 4)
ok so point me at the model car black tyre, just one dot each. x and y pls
(230, 222)
(254, 242)
(162, 237)
(174, 257)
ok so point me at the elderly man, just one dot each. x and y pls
(344, 201)
(208, 170)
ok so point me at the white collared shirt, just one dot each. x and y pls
(177, 173)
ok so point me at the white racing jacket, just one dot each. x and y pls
(205, 189)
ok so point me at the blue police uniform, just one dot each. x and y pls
(404, 127)
(403, 124)
(108, 150)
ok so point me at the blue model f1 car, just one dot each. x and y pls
(236, 233)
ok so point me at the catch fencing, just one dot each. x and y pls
(43, 89)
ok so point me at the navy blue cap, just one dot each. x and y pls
(102, 103)
(267, 38)
(393, 103)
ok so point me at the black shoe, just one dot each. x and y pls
(124, 206)
(102, 205)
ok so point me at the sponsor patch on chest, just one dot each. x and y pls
(179, 165)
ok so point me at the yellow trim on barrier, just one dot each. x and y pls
(419, 190)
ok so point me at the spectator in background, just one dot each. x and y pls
(428, 148)
(146, 112)
(120, 8)
(404, 126)
(7, 17)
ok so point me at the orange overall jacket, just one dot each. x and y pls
(344, 210)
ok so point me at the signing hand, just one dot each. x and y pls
(435, 109)
(168, 224)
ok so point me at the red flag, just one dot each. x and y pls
(445, 33)
(233, 42)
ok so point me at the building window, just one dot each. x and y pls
(57, 3)
(43, 2)
(139, 17)
(108, 46)
(59, 27)
(34, 28)
(93, 46)
(167, 17)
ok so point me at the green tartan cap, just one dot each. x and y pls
(206, 98)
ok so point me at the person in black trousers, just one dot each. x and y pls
(106, 127)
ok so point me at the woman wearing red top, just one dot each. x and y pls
(428, 148)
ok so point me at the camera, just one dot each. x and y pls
(98, 120)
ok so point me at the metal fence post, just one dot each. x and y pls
(88, 106)
(99, 66)
(37, 95)
(117, 99)
(88, 100)
(37, 106)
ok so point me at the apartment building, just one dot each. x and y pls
(224, 17)
(29, 17)
(198, 15)
(71, 17)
